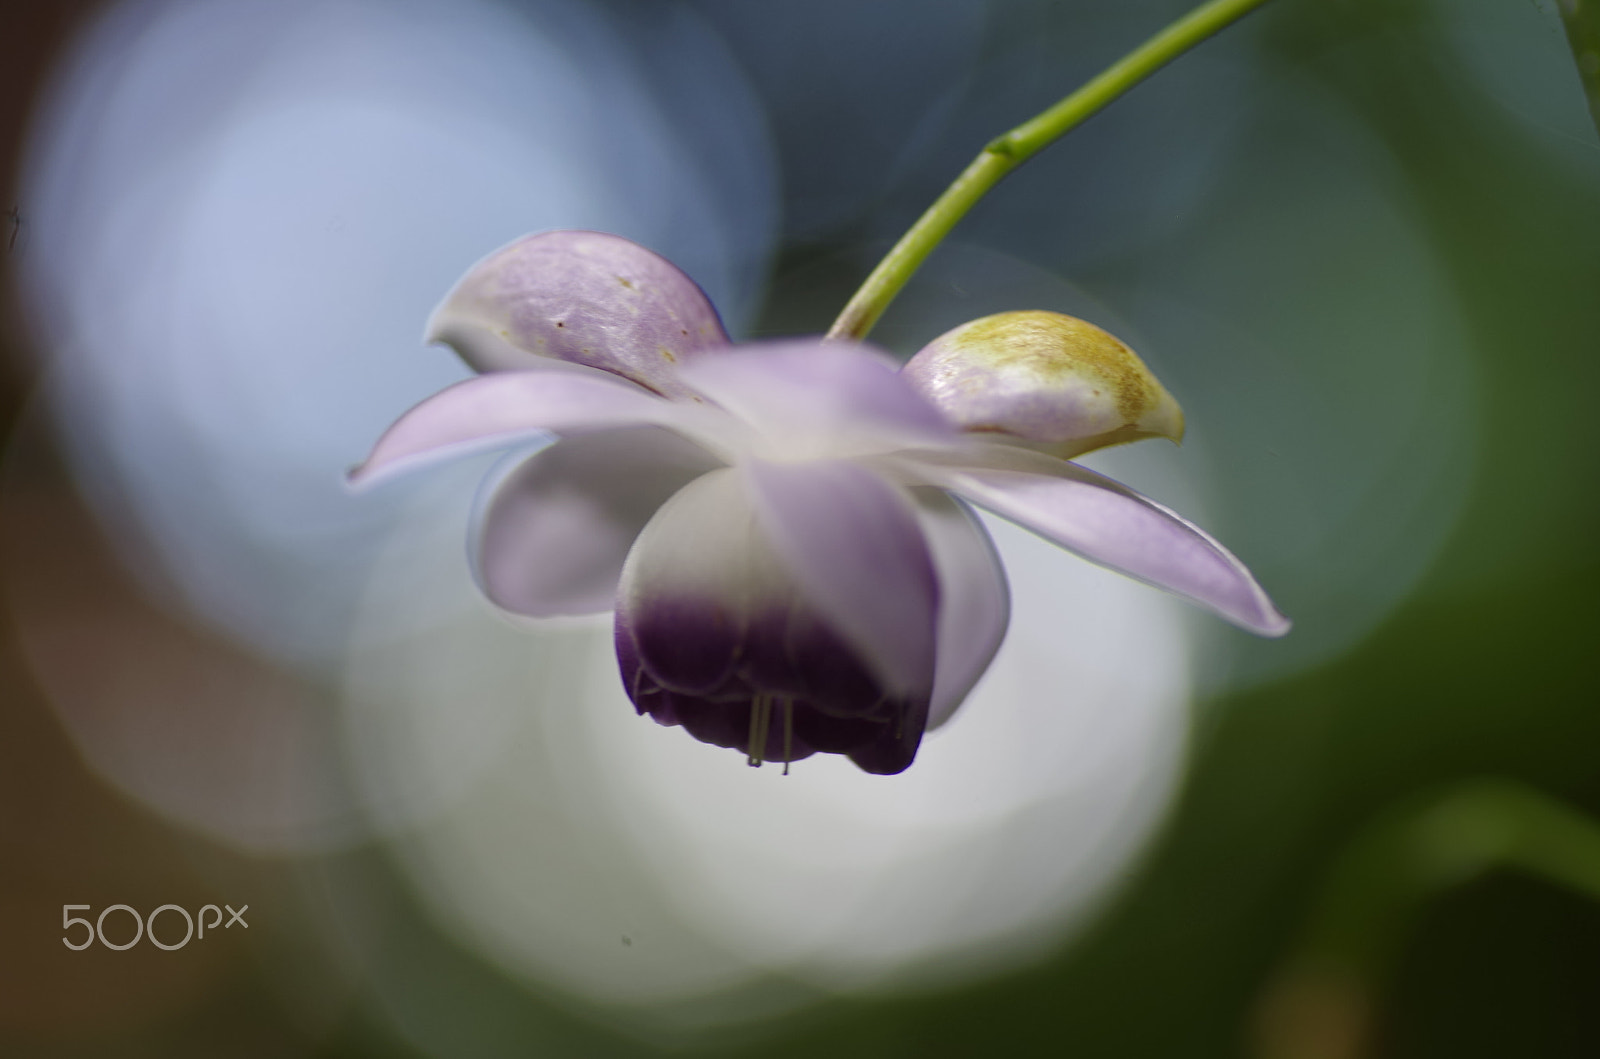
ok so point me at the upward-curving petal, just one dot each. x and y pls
(504, 408)
(552, 536)
(1106, 523)
(584, 297)
(853, 545)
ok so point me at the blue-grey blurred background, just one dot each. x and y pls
(1358, 239)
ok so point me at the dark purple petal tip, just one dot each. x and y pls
(716, 632)
(787, 690)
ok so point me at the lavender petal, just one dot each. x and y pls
(853, 545)
(509, 407)
(553, 534)
(974, 600)
(1107, 523)
(585, 297)
(818, 400)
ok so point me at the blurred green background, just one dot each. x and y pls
(1359, 239)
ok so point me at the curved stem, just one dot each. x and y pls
(1005, 153)
(1321, 1001)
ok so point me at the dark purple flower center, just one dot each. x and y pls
(780, 687)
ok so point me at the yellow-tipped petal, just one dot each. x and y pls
(1045, 379)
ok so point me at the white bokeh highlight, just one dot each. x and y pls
(583, 846)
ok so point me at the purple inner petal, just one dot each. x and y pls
(687, 643)
(858, 556)
(896, 744)
(712, 633)
(790, 729)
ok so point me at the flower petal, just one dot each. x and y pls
(1044, 379)
(698, 577)
(819, 400)
(508, 407)
(854, 547)
(713, 608)
(1106, 523)
(974, 600)
(716, 632)
(585, 297)
(553, 535)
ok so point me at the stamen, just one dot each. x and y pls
(788, 734)
(751, 745)
(760, 723)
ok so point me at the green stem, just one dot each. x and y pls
(1582, 19)
(1005, 153)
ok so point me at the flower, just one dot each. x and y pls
(777, 525)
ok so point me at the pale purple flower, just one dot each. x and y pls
(776, 525)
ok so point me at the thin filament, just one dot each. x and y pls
(760, 723)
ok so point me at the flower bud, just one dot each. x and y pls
(1045, 380)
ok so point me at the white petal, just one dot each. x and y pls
(854, 547)
(553, 533)
(974, 600)
(1106, 523)
(504, 408)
